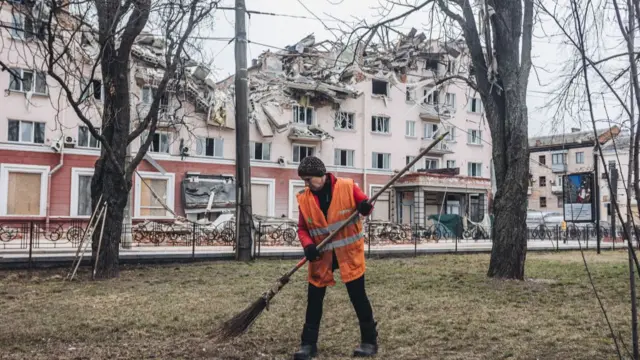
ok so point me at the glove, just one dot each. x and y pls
(364, 208)
(311, 252)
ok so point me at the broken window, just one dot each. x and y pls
(149, 204)
(409, 95)
(475, 105)
(260, 151)
(381, 160)
(431, 64)
(430, 130)
(344, 121)
(451, 66)
(86, 139)
(214, 147)
(26, 132)
(543, 202)
(432, 98)
(410, 128)
(542, 159)
(475, 137)
(160, 142)
(92, 87)
(23, 27)
(542, 181)
(380, 124)
(147, 94)
(379, 87)
(302, 115)
(300, 152)
(343, 157)
(23, 193)
(430, 164)
(474, 169)
(27, 80)
(451, 164)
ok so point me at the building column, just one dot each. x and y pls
(418, 207)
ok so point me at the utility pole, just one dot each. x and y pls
(244, 218)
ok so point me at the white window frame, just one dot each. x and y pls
(407, 133)
(431, 97)
(374, 155)
(293, 149)
(90, 136)
(295, 118)
(271, 183)
(431, 160)
(479, 109)
(75, 182)
(471, 136)
(379, 118)
(151, 94)
(159, 133)
(581, 153)
(353, 157)
(90, 93)
(453, 162)
(171, 188)
(474, 163)
(429, 126)
(451, 136)
(252, 150)
(340, 117)
(450, 99)
(204, 147)
(19, 24)
(408, 159)
(33, 132)
(293, 201)
(34, 81)
(5, 169)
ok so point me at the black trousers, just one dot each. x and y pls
(357, 295)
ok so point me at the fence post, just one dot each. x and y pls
(31, 227)
(193, 241)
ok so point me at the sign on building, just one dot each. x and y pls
(579, 202)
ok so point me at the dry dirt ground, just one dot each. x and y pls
(432, 307)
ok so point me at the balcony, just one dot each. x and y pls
(311, 133)
(441, 148)
(435, 112)
(556, 189)
(559, 168)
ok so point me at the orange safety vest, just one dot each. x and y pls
(348, 243)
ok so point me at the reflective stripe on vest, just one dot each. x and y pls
(333, 227)
(342, 242)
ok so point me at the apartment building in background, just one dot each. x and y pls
(365, 121)
(553, 156)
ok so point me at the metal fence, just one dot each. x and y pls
(38, 240)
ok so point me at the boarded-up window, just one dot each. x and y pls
(149, 205)
(295, 191)
(84, 195)
(381, 206)
(23, 193)
(260, 199)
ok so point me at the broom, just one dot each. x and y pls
(241, 322)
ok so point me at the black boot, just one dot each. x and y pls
(369, 343)
(308, 347)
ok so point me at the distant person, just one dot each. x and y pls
(324, 204)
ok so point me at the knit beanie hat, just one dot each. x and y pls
(311, 166)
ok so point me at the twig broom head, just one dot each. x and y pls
(240, 323)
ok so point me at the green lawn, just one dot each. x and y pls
(432, 307)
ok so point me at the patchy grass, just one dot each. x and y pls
(433, 307)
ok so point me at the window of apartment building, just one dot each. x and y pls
(542, 181)
(148, 94)
(431, 64)
(475, 105)
(302, 115)
(410, 128)
(26, 132)
(28, 81)
(560, 203)
(260, 150)
(430, 164)
(379, 87)
(543, 202)
(580, 157)
(431, 97)
(81, 187)
(451, 66)
(380, 124)
(160, 143)
(343, 157)
(558, 159)
(408, 160)
(408, 95)
(148, 184)
(474, 169)
(300, 152)
(450, 100)
(474, 137)
(23, 28)
(86, 139)
(23, 190)
(542, 159)
(344, 121)
(451, 164)
(213, 147)
(92, 88)
(451, 136)
(429, 130)
(381, 160)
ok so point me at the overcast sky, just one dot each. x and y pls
(278, 31)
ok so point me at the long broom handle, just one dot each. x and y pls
(372, 199)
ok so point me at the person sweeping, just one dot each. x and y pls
(324, 204)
